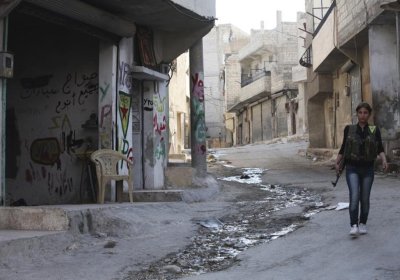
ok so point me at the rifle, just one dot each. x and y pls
(341, 166)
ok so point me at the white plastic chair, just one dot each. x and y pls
(106, 161)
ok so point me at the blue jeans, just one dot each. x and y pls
(359, 180)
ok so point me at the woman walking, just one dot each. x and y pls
(362, 143)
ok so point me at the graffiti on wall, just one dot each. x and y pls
(125, 101)
(104, 91)
(148, 105)
(37, 86)
(136, 115)
(125, 83)
(159, 117)
(76, 90)
(45, 151)
(125, 75)
(105, 117)
(159, 151)
(51, 154)
(159, 123)
(58, 181)
(198, 113)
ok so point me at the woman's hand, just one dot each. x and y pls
(338, 164)
(385, 165)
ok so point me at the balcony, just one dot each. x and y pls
(253, 88)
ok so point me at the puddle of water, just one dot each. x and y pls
(250, 176)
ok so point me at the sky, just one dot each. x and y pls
(248, 14)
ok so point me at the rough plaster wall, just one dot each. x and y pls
(353, 16)
(329, 122)
(301, 116)
(257, 132)
(281, 117)
(137, 154)
(213, 95)
(342, 106)
(155, 133)
(124, 100)
(316, 122)
(232, 77)
(365, 76)
(53, 93)
(178, 91)
(384, 80)
(267, 120)
(108, 56)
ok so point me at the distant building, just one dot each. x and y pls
(260, 90)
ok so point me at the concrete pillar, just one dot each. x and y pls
(197, 109)
(107, 99)
(155, 129)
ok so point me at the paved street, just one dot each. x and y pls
(322, 249)
(249, 230)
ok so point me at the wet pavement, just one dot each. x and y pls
(263, 212)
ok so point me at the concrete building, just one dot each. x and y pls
(179, 107)
(264, 95)
(73, 83)
(353, 55)
(220, 43)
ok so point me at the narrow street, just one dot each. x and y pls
(270, 219)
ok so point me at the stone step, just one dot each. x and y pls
(155, 196)
(33, 218)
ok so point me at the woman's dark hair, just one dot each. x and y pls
(364, 105)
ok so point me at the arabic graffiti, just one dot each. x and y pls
(77, 89)
(37, 86)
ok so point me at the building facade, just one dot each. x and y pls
(353, 56)
(79, 83)
(264, 96)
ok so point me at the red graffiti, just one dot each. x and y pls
(105, 111)
(159, 127)
(130, 154)
(200, 148)
(198, 87)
